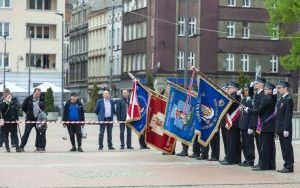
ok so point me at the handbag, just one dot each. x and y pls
(65, 133)
(83, 133)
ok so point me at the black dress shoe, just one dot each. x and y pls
(182, 154)
(72, 149)
(226, 163)
(22, 149)
(18, 150)
(258, 169)
(256, 166)
(285, 170)
(145, 147)
(213, 159)
(100, 148)
(8, 150)
(122, 147)
(202, 157)
(79, 149)
(111, 148)
(130, 147)
(193, 156)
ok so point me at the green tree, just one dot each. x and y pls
(49, 100)
(243, 79)
(93, 99)
(150, 81)
(283, 14)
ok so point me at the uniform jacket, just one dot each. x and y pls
(257, 99)
(232, 108)
(244, 116)
(100, 109)
(9, 111)
(265, 109)
(121, 110)
(27, 107)
(284, 114)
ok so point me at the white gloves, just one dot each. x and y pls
(275, 91)
(250, 131)
(286, 133)
(251, 84)
(246, 109)
(239, 92)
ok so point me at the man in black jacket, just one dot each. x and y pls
(244, 120)
(257, 99)
(284, 115)
(121, 113)
(31, 108)
(234, 143)
(73, 111)
(266, 127)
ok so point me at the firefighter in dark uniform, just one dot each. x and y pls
(196, 148)
(257, 99)
(234, 143)
(284, 109)
(224, 131)
(265, 112)
(244, 120)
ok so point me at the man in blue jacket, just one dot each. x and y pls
(105, 111)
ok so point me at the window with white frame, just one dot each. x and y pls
(230, 62)
(180, 60)
(39, 4)
(231, 3)
(275, 33)
(143, 61)
(4, 29)
(245, 62)
(181, 26)
(4, 59)
(230, 29)
(274, 62)
(5, 3)
(39, 31)
(192, 26)
(144, 3)
(245, 30)
(191, 60)
(246, 3)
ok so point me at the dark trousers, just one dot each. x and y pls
(258, 147)
(185, 148)
(248, 146)
(109, 127)
(13, 130)
(12, 139)
(204, 151)
(75, 129)
(224, 132)
(196, 147)
(122, 131)
(142, 141)
(234, 146)
(41, 139)
(268, 151)
(28, 128)
(287, 151)
(215, 146)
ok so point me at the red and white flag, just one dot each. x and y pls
(133, 111)
(231, 118)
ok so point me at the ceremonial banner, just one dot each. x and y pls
(133, 111)
(214, 105)
(182, 116)
(142, 96)
(155, 135)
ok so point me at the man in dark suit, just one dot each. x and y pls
(121, 113)
(244, 120)
(257, 99)
(105, 111)
(266, 123)
(284, 115)
(234, 143)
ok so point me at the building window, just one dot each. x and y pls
(39, 31)
(231, 3)
(191, 60)
(192, 26)
(4, 29)
(230, 62)
(246, 3)
(143, 61)
(181, 26)
(4, 59)
(41, 61)
(4, 3)
(246, 30)
(180, 60)
(275, 33)
(274, 62)
(39, 4)
(245, 62)
(230, 29)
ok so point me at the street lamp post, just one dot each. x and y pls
(29, 62)
(62, 60)
(186, 42)
(5, 58)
